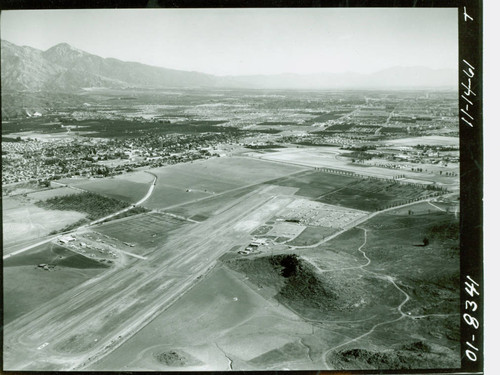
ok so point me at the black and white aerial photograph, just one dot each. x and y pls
(231, 189)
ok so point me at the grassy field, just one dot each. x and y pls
(312, 235)
(26, 286)
(166, 196)
(211, 204)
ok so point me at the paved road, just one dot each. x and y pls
(85, 323)
(30, 247)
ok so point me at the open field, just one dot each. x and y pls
(210, 205)
(183, 183)
(27, 286)
(23, 221)
(21, 188)
(315, 184)
(312, 235)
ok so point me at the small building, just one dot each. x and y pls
(258, 242)
(66, 239)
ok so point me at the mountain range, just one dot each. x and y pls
(64, 68)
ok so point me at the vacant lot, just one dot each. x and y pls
(26, 286)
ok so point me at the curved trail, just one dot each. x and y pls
(374, 327)
(230, 361)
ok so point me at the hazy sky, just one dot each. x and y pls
(249, 41)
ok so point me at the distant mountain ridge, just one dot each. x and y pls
(63, 68)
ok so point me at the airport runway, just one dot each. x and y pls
(87, 322)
